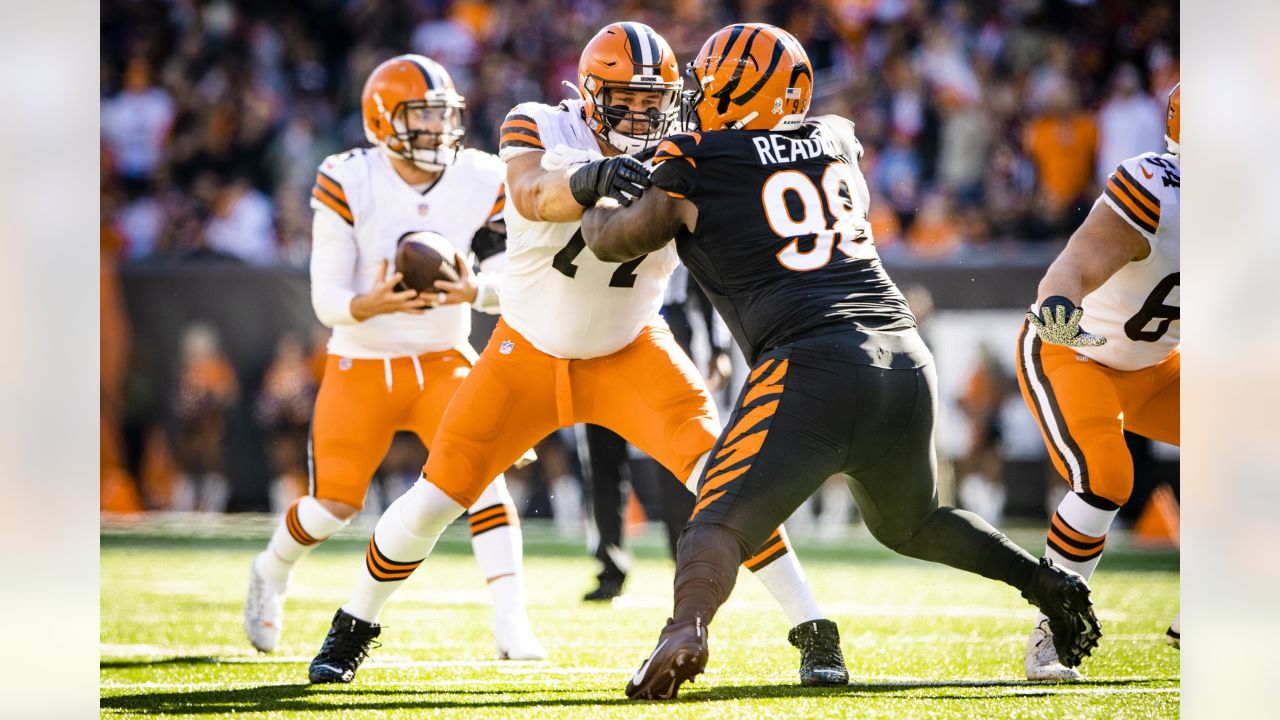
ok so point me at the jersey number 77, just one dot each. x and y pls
(623, 277)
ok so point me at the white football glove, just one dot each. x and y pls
(1059, 324)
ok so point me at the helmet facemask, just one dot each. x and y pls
(428, 133)
(690, 100)
(627, 130)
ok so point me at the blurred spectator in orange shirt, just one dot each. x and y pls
(118, 490)
(207, 390)
(885, 228)
(935, 232)
(1062, 143)
(981, 470)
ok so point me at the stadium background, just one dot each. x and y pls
(988, 126)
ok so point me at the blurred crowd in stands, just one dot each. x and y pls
(984, 121)
(988, 128)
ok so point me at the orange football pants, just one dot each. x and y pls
(1084, 407)
(360, 406)
(649, 392)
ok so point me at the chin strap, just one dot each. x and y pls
(576, 90)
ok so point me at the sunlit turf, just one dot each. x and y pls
(920, 640)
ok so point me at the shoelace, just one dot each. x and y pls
(824, 652)
(348, 648)
(822, 649)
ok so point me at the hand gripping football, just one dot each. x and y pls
(423, 258)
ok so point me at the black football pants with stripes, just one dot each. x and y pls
(863, 404)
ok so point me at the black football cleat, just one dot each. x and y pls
(345, 647)
(681, 655)
(821, 662)
(607, 590)
(1063, 596)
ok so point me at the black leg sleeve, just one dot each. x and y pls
(896, 490)
(706, 570)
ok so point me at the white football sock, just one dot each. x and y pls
(783, 577)
(498, 546)
(402, 539)
(1077, 534)
(303, 526)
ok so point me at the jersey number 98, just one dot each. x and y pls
(848, 232)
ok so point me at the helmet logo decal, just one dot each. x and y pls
(725, 94)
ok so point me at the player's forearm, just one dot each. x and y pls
(548, 198)
(1064, 278)
(333, 259)
(1098, 249)
(615, 233)
(333, 306)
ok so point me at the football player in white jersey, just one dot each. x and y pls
(581, 340)
(1099, 354)
(395, 357)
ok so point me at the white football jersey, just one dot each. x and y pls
(555, 292)
(1137, 309)
(363, 190)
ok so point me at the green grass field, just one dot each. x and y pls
(921, 641)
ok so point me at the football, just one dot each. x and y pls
(423, 258)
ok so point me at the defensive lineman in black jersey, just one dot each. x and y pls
(768, 211)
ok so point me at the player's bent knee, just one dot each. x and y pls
(692, 440)
(338, 508)
(1110, 473)
(495, 493)
(425, 510)
(691, 482)
(901, 534)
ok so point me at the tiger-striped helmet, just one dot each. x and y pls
(410, 97)
(629, 56)
(1173, 121)
(750, 76)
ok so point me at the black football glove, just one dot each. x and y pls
(622, 178)
(1059, 324)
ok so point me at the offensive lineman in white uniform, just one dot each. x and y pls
(395, 358)
(581, 340)
(1089, 373)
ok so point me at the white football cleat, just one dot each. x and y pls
(516, 640)
(263, 611)
(1173, 635)
(1041, 661)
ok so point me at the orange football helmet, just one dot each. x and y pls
(410, 97)
(1173, 122)
(750, 76)
(629, 56)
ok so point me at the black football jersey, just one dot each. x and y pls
(782, 244)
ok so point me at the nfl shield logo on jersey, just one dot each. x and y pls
(507, 347)
(422, 209)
